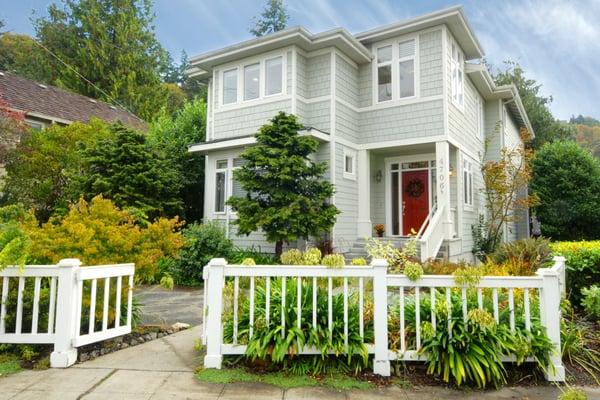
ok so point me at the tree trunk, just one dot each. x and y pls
(278, 248)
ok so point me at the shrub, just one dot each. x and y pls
(359, 261)
(312, 256)
(248, 261)
(238, 255)
(14, 243)
(202, 243)
(333, 260)
(573, 394)
(523, 256)
(413, 270)
(100, 233)
(583, 265)
(291, 257)
(395, 257)
(591, 301)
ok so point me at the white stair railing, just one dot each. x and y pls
(433, 236)
(61, 323)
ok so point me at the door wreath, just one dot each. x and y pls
(415, 188)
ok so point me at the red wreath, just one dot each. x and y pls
(415, 188)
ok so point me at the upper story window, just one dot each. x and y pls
(250, 77)
(458, 76)
(396, 70)
(230, 79)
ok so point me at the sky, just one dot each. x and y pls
(556, 42)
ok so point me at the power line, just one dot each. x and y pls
(81, 76)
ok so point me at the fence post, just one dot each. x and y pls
(64, 354)
(561, 267)
(550, 318)
(381, 362)
(214, 326)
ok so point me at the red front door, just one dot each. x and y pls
(415, 200)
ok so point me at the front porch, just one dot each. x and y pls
(411, 190)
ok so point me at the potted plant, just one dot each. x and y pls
(379, 229)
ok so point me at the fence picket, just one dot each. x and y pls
(236, 290)
(3, 304)
(464, 303)
(329, 305)
(118, 303)
(511, 309)
(105, 305)
(19, 321)
(299, 301)
(346, 313)
(36, 305)
(52, 304)
(251, 329)
(402, 327)
(283, 306)
(418, 317)
(268, 299)
(130, 300)
(432, 292)
(480, 298)
(361, 322)
(527, 311)
(92, 306)
(314, 303)
(495, 300)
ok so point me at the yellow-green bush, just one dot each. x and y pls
(100, 233)
(583, 264)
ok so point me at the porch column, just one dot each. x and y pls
(442, 163)
(364, 194)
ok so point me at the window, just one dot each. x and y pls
(457, 76)
(274, 76)
(349, 164)
(406, 55)
(230, 86)
(384, 73)
(479, 115)
(220, 186)
(468, 183)
(236, 188)
(37, 126)
(251, 81)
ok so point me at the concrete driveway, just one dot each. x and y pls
(163, 306)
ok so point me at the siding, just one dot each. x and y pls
(365, 85)
(377, 190)
(316, 115)
(346, 83)
(346, 123)
(318, 74)
(346, 200)
(430, 63)
(246, 121)
(301, 76)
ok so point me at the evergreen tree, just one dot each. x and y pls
(286, 196)
(273, 18)
(111, 43)
(132, 173)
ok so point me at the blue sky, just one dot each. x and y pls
(557, 42)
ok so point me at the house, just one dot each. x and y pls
(44, 105)
(402, 113)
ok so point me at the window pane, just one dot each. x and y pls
(220, 192)
(221, 164)
(230, 86)
(236, 189)
(407, 78)
(384, 54)
(349, 168)
(251, 81)
(384, 75)
(395, 204)
(274, 76)
(407, 49)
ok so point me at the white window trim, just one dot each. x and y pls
(226, 186)
(480, 115)
(468, 183)
(396, 70)
(453, 84)
(352, 154)
(261, 60)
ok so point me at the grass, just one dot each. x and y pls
(280, 379)
(9, 364)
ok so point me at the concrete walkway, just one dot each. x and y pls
(163, 369)
(163, 306)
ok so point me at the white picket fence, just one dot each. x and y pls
(386, 290)
(64, 284)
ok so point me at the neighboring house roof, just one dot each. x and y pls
(54, 104)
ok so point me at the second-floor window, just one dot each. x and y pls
(396, 70)
(255, 80)
(458, 76)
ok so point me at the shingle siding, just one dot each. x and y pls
(346, 200)
(247, 120)
(430, 63)
(318, 73)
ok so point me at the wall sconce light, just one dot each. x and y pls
(451, 172)
(378, 176)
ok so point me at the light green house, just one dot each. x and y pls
(402, 113)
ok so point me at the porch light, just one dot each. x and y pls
(451, 172)
(378, 176)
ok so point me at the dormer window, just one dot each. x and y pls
(396, 72)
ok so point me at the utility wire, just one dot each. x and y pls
(81, 76)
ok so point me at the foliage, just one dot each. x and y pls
(273, 18)
(281, 351)
(111, 43)
(20, 54)
(172, 134)
(588, 136)
(580, 344)
(573, 394)
(546, 127)
(286, 196)
(591, 301)
(566, 178)
(291, 257)
(248, 261)
(202, 243)
(524, 256)
(9, 364)
(238, 255)
(413, 270)
(582, 264)
(505, 190)
(100, 233)
(468, 276)
(395, 257)
(12, 128)
(333, 260)
(442, 267)
(14, 243)
(358, 261)
(128, 170)
(40, 168)
(311, 256)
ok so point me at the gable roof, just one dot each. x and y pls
(59, 105)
